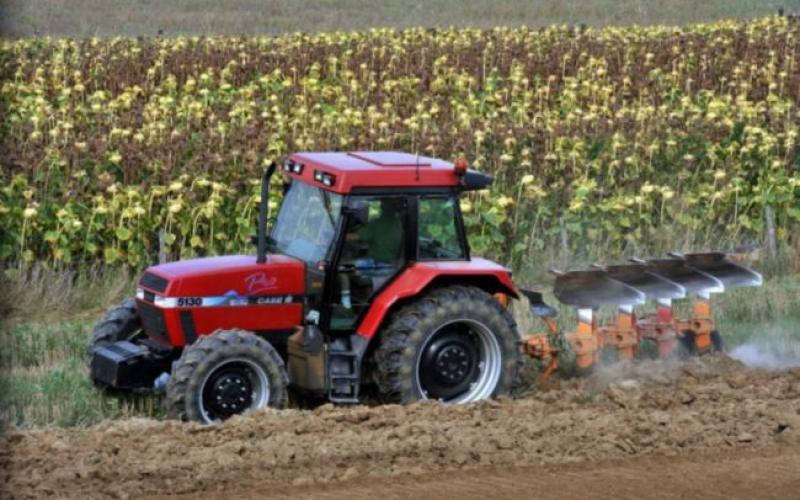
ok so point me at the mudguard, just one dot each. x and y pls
(419, 275)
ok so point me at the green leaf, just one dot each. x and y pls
(124, 234)
(6, 251)
(491, 218)
(111, 255)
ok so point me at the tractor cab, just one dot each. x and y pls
(363, 245)
(356, 220)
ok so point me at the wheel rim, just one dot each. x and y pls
(459, 363)
(231, 387)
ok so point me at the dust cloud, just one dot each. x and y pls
(772, 349)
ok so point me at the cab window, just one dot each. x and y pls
(372, 252)
(438, 237)
(306, 222)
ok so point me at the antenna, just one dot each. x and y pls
(416, 176)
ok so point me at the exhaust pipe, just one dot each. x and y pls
(261, 255)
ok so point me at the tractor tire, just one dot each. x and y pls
(455, 344)
(225, 374)
(121, 322)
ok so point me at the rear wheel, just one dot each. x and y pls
(226, 374)
(456, 345)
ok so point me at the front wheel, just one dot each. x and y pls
(121, 322)
(226, 374)
(455, 345)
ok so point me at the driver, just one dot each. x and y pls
(383, 236)
(380, 240)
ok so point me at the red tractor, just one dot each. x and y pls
(366, 279)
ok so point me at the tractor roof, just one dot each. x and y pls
(346, 172)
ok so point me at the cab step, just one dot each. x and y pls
(344, 372)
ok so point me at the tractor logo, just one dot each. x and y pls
(259, 282)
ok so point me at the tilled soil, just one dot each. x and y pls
(746, 475)
(655, 409)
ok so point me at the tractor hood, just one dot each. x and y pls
(235, 277)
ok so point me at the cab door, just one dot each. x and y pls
(373, 250)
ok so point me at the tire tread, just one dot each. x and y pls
(407, 327)
(118, 324)
(180, 401)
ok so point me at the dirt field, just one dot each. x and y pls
(651, 430)
(771, 473)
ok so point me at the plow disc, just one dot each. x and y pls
(594, 288)
(588, 290)
(693, 276)
(717, 265)
(639, 277)
(679, 272)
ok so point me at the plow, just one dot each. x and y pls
(666, 282)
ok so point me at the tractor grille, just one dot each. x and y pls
(152, 319)
(153, 282)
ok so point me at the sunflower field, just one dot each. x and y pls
(631, 139)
